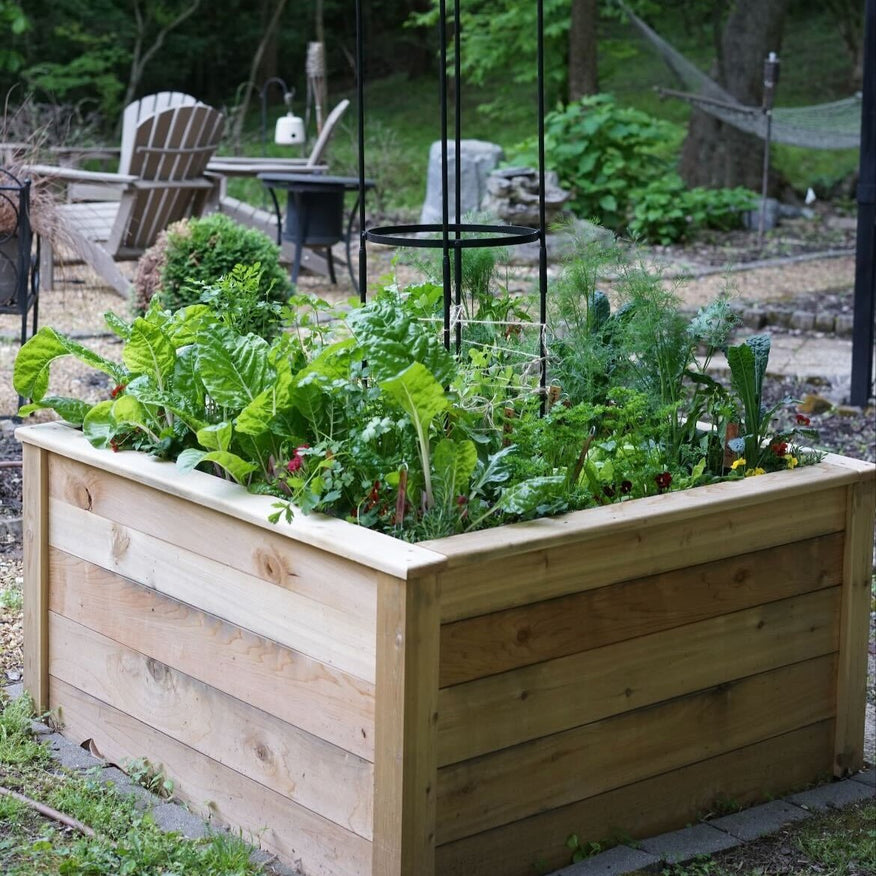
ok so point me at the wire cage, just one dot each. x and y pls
(452, 238)
(19, 252)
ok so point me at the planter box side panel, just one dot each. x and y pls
(630, 541)
(269, 819)
(303, 597)
(758, 772)
(640, 665)
(212, 642)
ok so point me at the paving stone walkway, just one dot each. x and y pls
(707, 838)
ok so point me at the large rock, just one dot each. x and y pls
(512, 196)
(477, 158)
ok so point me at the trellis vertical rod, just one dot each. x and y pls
(457, 80)
(542, 248)
(360, 98)
(864, 319)
(445, 217)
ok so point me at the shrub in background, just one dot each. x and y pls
(195, 253)
(619, 163)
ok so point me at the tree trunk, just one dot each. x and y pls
(714, 153)
(249, 88)
(850, 22)
(583, 71)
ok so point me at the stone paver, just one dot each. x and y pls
(759, 821)
(689, 843)
(620, 859)
(866, 777)
(832, 796)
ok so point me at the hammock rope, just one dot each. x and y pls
(835, 125)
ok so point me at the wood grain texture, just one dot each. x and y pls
(35, 591)
(482, 793)
(266, 818)
(316, 574)
(504, 710)
(621, 542)
(855, 628)
(295, 764)
(406, 713)
(332, 635)
(297, 689)
(358, 544)
(748, 775)
(497, 642)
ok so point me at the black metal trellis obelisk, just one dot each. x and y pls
(454, 237)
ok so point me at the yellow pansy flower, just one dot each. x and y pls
(738, 463)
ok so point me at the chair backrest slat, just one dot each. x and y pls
(173, 144)
(325, 134)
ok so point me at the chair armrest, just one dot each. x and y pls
(74, 174)
(198, 182)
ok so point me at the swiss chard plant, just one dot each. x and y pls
(370, 418)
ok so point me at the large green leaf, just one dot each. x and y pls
(420, 395)
(454, 463)
(70, 409)
(99, 427)
(274, 400)
(232, 464)
(149, 350)
(234, 368)
(216, 436)
(391, 339)
(30, 375)
(422, 398)
(526, 497)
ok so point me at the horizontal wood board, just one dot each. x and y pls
(747, 775)
(504, 710)
(301, 691)
(628, 547)
(316, 775)
(266, 818)
(330, 634)
(356, 543)
(482, 793)
(500, 641)
(319, 575)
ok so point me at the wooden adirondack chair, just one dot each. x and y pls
(167, 141)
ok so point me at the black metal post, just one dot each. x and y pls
(542, 247)
(360, 99)
(865, 252)
(445, 206)
(457, 178)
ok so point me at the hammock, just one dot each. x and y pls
(835, 125)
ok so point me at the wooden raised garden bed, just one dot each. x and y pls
(361, 705)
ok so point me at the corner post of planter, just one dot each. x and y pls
(35, 530)
(406, 712)
(854, 627)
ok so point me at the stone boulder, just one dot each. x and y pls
(477, 159)
(512, 196)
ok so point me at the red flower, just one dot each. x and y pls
(297, 460)
(780, 448)
(803, 421)
(663, 480)
(118, 390)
